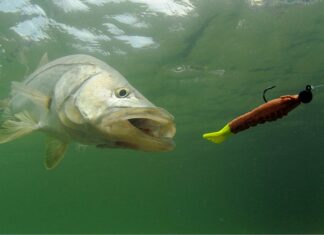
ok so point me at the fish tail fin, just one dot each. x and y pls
(219, 136)
(16, 126)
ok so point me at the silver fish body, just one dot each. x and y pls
(80, 98)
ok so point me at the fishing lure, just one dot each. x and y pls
(270, 111)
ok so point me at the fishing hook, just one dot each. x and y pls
(265, 91)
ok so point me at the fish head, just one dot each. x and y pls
(114, 114)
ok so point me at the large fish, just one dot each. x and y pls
(80, 98)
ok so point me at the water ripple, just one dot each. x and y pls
(33, 29)
(71, 5)
(23, 7)
(137, 41)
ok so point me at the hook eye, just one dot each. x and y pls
(306, 95)
(309, 88)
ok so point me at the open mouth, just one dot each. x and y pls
(153, 128)
(148, 129)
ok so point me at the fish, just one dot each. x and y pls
(79, 98)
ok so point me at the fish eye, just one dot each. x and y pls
(122, 92)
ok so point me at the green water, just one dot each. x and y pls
(206, 62)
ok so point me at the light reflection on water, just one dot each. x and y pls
(38, 26)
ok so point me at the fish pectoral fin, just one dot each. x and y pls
(34, 95)
(55, 150)
(16, 126)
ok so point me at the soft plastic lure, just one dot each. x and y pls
(270, 111)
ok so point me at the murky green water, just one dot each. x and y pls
(204, 61)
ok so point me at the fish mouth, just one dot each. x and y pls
(153, 128)
(148, 129)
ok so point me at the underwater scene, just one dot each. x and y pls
(125, 116)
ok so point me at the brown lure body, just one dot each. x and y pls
(270, 111)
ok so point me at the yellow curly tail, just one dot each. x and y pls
(219, 136)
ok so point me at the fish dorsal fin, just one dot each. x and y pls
(43, 60)
(55, 150)
(16, 126)
(34, 95)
